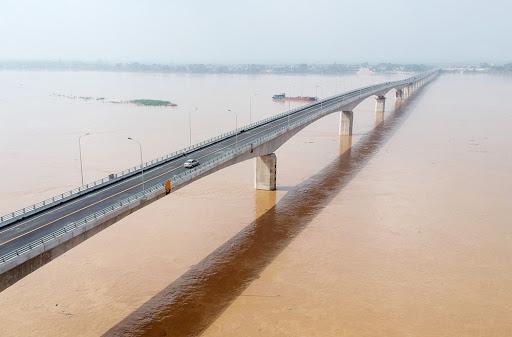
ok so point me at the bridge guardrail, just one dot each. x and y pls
(176, 180)
(60, 198)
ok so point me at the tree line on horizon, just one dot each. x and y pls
(302, 68)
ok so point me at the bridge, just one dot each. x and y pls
(35, 235)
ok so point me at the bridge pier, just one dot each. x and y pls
(399, 94)
(265, 172)
(380, 107)
(345, 144)
(346, 123)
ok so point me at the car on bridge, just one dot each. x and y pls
(190, 163)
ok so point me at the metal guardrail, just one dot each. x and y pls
(77, 224)
(55, 200)
(60, 198)
(176, 181)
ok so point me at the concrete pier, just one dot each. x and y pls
(346, 123)
(399, 95)
(380, 107)
(345, 144)
(265, 172)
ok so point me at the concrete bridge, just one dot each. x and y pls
(34, 235)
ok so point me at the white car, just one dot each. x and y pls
(190, 163)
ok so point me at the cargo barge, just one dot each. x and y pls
(282, 97)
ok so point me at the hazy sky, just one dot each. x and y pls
(259, 31)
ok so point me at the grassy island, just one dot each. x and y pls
(151, 102)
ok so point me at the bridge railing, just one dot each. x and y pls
(68, 195)
(76, 225)
(112, 178)
(176, 181)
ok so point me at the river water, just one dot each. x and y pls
(406, 234)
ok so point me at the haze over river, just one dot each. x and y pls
(409, 233)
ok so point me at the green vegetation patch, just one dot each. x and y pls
(151, 102)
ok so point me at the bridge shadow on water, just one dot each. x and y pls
(193, 301)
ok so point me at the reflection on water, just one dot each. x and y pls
(140, 255)
(345, 144)
(187, 306)
(264, 201)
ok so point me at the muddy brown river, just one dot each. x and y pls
(406, 233)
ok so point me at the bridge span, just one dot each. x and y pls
(35, 235)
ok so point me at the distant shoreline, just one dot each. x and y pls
(335, 68)
(262, 69)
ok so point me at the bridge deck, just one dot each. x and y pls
(39, 224)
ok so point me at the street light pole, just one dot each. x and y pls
(141, 162)
(80, 150)
(236, 126)
(316, 93)
(288, 115)
(190, 127)
(250, 107)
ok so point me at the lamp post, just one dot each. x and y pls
(316, 93)
(288, 115)
(236, 126)
(80, 150)
(141, 162)
(190, 127)
(250, 107)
